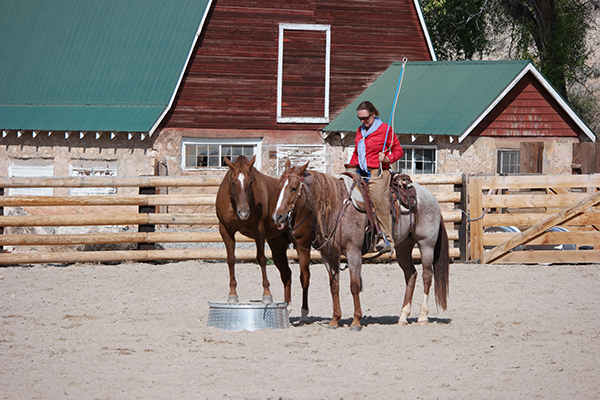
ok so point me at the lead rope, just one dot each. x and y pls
(392, 116)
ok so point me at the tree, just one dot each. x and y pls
(551, 33)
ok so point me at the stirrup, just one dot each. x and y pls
(383, 247)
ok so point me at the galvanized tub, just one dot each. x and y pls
(248, 316)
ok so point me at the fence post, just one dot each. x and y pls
(475, 211)
(145, 209)
(461, 226)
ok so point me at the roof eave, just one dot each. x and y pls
(559, 99)
(185, 65)
(425, 30)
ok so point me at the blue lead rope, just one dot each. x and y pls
(400, 79)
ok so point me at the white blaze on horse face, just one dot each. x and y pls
(280, 199)
(241, 179)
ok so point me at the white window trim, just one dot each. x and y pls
(303, 27)
(425, 147)
(235, 141)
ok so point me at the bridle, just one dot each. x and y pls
(291, 210)
(338, 218)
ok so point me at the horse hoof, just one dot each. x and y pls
(232, 299)
(423, 322)
(329, 326)
(355, 328)
(403, 323)
(267, 299)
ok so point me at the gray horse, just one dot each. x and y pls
(340, 230)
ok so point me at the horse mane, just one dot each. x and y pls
(327, 194)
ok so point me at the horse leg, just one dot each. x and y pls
(355, 263)
(426, 260)
(279, 248)
(304, 261)
(229, 240)
(404, 257)
(262, 261)
(333, 269)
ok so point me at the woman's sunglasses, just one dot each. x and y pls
(363, 119)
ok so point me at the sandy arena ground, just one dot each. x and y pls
(138, 331)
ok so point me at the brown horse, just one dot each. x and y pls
(340, 229)
(245, 202)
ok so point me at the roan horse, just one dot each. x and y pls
(245, 202)
(340, 229)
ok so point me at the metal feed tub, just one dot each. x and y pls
(248, 316)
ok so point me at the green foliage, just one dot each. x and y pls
(457, 28)
(551, 33)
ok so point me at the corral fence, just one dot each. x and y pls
(534, 219)
(145, 218)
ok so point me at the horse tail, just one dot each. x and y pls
(441, 266)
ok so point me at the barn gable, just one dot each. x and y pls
(458, 99)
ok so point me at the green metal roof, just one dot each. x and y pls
(101, 65)
(442, 97)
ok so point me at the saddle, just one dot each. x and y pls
(403, 198)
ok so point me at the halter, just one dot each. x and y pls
(289, 214)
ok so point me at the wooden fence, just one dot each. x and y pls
(144, 218)
(557, 218)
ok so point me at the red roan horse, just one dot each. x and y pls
(245, 202)
(340, 229)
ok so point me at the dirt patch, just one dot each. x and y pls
(139, 331)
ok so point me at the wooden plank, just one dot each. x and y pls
(589, 218)
(549, 256)
(112, 181)
(109, 200)
(541, 181)
(579, 238)
(120, 237)
(535, 230)
(532, 200)
(113, 219)
(153, 255)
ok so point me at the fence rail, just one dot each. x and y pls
(553, 219)
(143, 212)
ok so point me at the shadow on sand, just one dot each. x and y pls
(369, 320)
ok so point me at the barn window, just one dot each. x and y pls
(207, 153)
(417, 160)
(83, 168)
(315, 155)
(508, 162)
(31, 168)
(303, 73)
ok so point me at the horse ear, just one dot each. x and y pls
(252, 161)
(288, 164)
(228, 162)
(303, 168)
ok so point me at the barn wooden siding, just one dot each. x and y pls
(528, 110)
(231, 82)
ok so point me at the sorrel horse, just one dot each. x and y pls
(245, 202)
(340, 229)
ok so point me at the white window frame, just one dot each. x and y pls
(500, 164)
(93, 168)
(412, 148)
(31, 168)
(315, 154)
(303, 27)
(256, 142)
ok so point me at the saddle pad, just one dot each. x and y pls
(356, 196)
